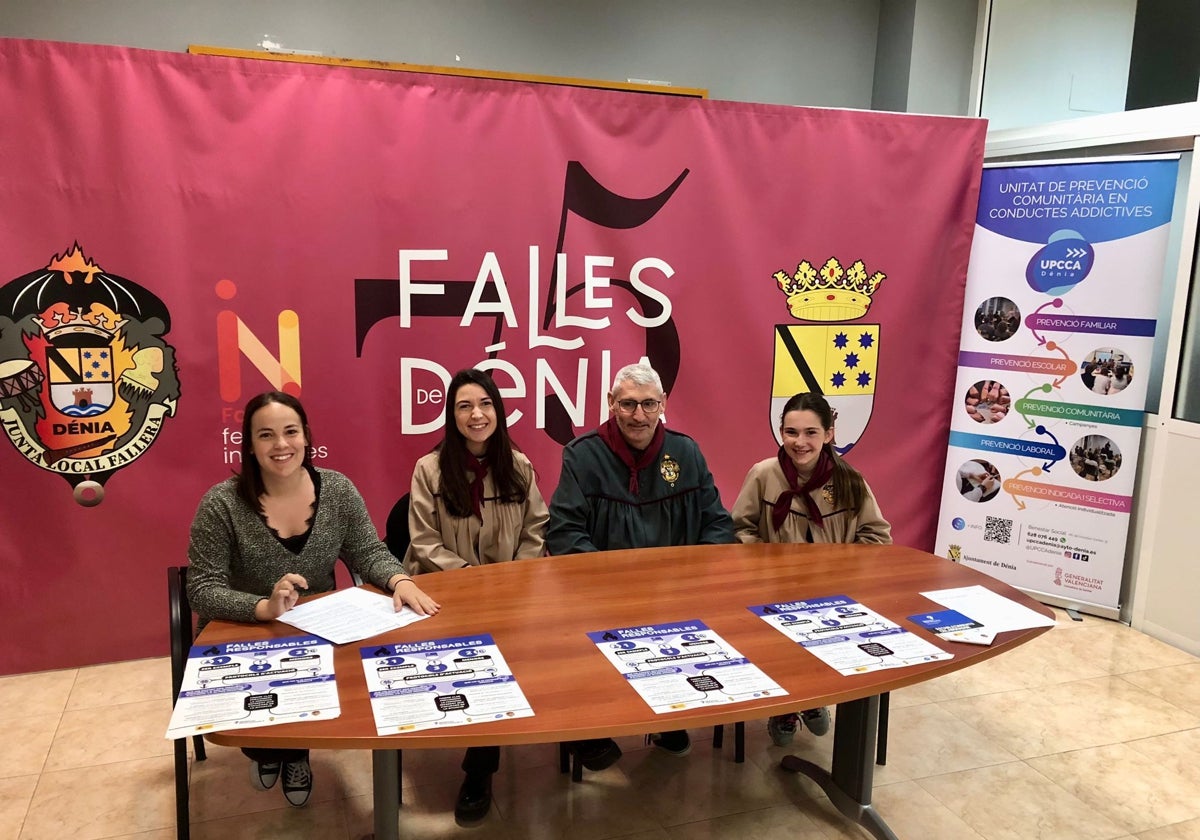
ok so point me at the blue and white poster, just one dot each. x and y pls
(847, 636)
(441, 682)
(261, 683)
(684, 665)
(1057, 335)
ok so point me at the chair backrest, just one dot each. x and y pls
(183, 633)
(183, 630)
(395, 535)
(396, 531)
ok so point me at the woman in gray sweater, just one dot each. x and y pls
(262, 538)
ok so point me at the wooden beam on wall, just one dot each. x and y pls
(334, 61)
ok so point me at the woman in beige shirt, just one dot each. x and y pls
(474, 501)
(806, 493)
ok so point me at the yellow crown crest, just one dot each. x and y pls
(100, 323)
(831, 293)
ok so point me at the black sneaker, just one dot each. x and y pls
(297, 782)
(675, 742)
(597, 753)
(263, 776)
(474, 799)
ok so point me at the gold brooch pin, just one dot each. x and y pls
(669, 468)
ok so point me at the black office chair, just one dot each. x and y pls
(183, 632)
(396, 529)
(739, 740)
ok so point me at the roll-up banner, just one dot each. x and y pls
(1057, 333)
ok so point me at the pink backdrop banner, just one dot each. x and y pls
(183, 232)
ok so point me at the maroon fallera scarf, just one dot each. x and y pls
(610, 433)
(820, 476)
(479, 466)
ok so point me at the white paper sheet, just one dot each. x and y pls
(993, 611)
(349, 615)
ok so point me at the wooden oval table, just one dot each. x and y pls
(540, 611)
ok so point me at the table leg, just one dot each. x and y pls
(386, 785)
(848, 786)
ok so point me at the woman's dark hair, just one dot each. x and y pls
(249, 480)
(849, 488)
(511, 486)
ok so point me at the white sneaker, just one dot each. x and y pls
(782, 728)
(817, 720)
(297, 782)
(263, 776)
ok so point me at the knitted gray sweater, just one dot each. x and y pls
(235, 560)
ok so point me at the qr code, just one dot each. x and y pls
(997, 530)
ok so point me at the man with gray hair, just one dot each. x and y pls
(633, 483)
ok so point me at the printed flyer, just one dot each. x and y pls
(953, 626)
(261, 683)
(440, 682)
(847, 636)
(1057, 334)
(684, 665)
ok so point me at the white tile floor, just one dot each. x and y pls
(1090, 732)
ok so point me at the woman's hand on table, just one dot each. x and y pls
(405, 591)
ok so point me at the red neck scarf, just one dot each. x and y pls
(610, 433)
(479, 467)
(819, 477)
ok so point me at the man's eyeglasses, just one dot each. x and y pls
(651, 407)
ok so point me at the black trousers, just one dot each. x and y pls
(480, 761)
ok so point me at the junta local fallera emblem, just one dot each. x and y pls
(669, 468)
(838, 360)
(86, 379)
